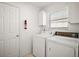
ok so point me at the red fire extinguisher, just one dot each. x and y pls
(25, 24)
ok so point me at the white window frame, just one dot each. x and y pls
(62, 23)
(59, 18)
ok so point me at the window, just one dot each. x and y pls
(59, 18)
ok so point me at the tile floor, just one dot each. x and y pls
(29, 55)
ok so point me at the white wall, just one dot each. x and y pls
(58, 5)
(30, 13)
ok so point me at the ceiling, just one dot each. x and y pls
(40, 4)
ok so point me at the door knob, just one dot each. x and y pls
(49, 49)
(17, 35)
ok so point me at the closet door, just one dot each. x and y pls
(1, 49)
(1, 31)
(9, 31)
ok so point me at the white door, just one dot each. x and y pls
(1, 31)
(39, 46)
(1, 49)
(55, 49)
(9, 30)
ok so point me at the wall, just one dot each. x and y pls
(30, 13)
(57, 5)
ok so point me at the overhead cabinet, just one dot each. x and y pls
(42, 17)
(73, 11)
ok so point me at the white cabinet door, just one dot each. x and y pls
(55, 49)
(38, 46)
(42, 18)
(74, 13)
